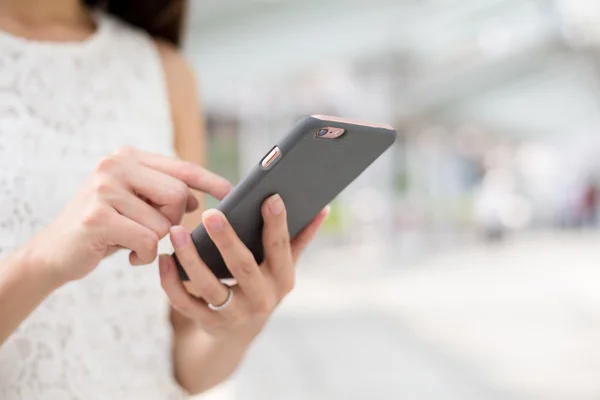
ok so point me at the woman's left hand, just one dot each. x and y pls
(259, 289)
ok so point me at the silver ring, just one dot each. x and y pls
(225, 303)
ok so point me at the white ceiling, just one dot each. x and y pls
(461, 52)
(233, 45)
(561, 97)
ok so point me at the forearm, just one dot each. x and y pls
(202, 361)
(22, 288)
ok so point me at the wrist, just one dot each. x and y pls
(33, 266)
(239, 338)
(242, 335)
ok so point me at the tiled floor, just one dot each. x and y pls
(517, 321)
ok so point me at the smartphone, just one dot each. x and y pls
(308, 168)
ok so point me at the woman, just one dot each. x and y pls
(91, 108)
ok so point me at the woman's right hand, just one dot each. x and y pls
(130, 201)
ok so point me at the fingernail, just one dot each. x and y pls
(179, 237)
(276, 205)
(327, 212)
(213, 220)
(163, 264)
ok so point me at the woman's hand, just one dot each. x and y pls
(259, 289)
(131, 201)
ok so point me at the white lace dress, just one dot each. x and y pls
(62, 107)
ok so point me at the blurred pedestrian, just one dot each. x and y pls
(589, 205)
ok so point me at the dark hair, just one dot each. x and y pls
(162, 19)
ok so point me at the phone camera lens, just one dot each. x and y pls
(322, 132)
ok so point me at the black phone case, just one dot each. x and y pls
(309, 174)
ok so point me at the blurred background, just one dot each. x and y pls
(465, 263)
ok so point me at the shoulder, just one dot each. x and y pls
(182, 89)
(178, 72)
(186, 111)
(179, 81)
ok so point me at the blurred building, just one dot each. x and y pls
(497, 104)
(474, 87)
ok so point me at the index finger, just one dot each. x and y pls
(189, 173)
(238, 258)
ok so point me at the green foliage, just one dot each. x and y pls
(334, 224)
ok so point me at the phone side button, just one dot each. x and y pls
(271, 158)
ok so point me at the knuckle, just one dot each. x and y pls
(176, 194)
(103, 186)
(150, 243)
(180, 192)
(95, 217)
(162, 231)
(264, 305)
(288, 284)
(188, 171)
(180, 304)
(107, 163)
(147, 247)
(247, 264)
(205, 289)
(281, 241)
(163, 227)
(226, 242)
(125, 151)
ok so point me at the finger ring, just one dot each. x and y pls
(225, 303)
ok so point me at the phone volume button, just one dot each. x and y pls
(271, 158)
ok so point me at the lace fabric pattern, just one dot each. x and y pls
(62, 108)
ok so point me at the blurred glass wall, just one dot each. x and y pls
(487, 202)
